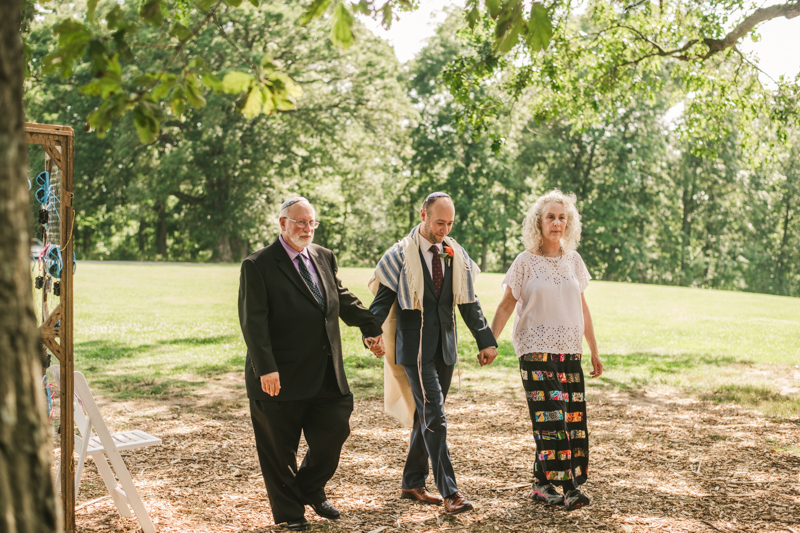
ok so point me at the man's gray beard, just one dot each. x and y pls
(299, 243)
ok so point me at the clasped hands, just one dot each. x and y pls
(375, 345)
(487, 355)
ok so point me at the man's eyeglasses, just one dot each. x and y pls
(303, 224)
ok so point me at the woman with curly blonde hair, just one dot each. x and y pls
(545, 285)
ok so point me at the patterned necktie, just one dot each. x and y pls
(306, 275)
(438, 275)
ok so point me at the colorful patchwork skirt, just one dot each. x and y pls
(555, 392)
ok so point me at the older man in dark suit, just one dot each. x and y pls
(290, 302)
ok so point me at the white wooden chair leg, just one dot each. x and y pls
(134, 499)
(111, 484)
(84, 445)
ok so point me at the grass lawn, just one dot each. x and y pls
(164, 329)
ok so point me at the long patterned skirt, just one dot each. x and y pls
(555, 392)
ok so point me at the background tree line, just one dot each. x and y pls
(370, 138)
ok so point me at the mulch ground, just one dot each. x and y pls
(658, 463)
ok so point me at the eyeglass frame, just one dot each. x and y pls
(304, 223)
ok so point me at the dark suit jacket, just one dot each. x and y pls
(285, 328)
(436, 319)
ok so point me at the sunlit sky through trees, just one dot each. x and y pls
(779, 38)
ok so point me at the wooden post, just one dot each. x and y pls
(59, 143)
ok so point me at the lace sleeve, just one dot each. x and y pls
(515, 277)
(581, 272)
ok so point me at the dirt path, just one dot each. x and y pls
(672, 464)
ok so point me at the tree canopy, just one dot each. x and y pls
(583, 58)
(694, 187)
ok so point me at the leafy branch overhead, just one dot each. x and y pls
(109, 40)
(587, 59)
(582, 58)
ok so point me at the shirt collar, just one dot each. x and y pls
(425, 244)
(291, 251)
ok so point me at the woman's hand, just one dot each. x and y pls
(597, 366)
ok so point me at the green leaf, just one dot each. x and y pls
(160, 91)
(493, 6)
(178, 101)
(314, 10)
(71, 30)
(114, 17)
(147, 122)
(73, 39)
(234, 3)
(509, 23)
(91, 7)
(256, 3)
(151, 13)
(540, 28)
(342, 32)
(180, 31)
(473, 15)
(268, 64)
(255, 101)
(193, 94)
(386, 21)
(236, 82)
(102, 87)
(112, 108)
(204, 5)
(283, 84)
(212, 82)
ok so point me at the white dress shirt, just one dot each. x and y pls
(425, 246)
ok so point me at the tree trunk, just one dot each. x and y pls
(222, 251)
(686, 232)
(161, 236)
(782, 252)
(141, 237)
(27, 500)
(87, 240)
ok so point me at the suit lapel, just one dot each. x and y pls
(327, 283)
(288, 268)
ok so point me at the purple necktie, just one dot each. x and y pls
(438, 275)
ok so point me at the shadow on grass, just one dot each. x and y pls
(764, 399)
(201, 341)
(127, 386)
(670, 364)
(103, 350)
(109, 350)
(104, 363)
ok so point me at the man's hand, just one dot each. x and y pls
(487, 355)
(271, 384)
(376, 346)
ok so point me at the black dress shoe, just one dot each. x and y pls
(326, 510)
(297, 525)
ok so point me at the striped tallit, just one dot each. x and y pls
(400, 269)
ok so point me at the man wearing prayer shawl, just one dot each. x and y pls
(417, 285)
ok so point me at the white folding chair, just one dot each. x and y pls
(104, 445)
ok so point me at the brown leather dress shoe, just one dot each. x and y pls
(421, 494)
(457, 503)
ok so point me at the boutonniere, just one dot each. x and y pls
(447, 255)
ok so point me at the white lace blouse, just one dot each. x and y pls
(549, 312)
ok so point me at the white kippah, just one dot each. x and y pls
(291, 201)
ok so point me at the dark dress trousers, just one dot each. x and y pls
(438, 359)
(287, 331)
